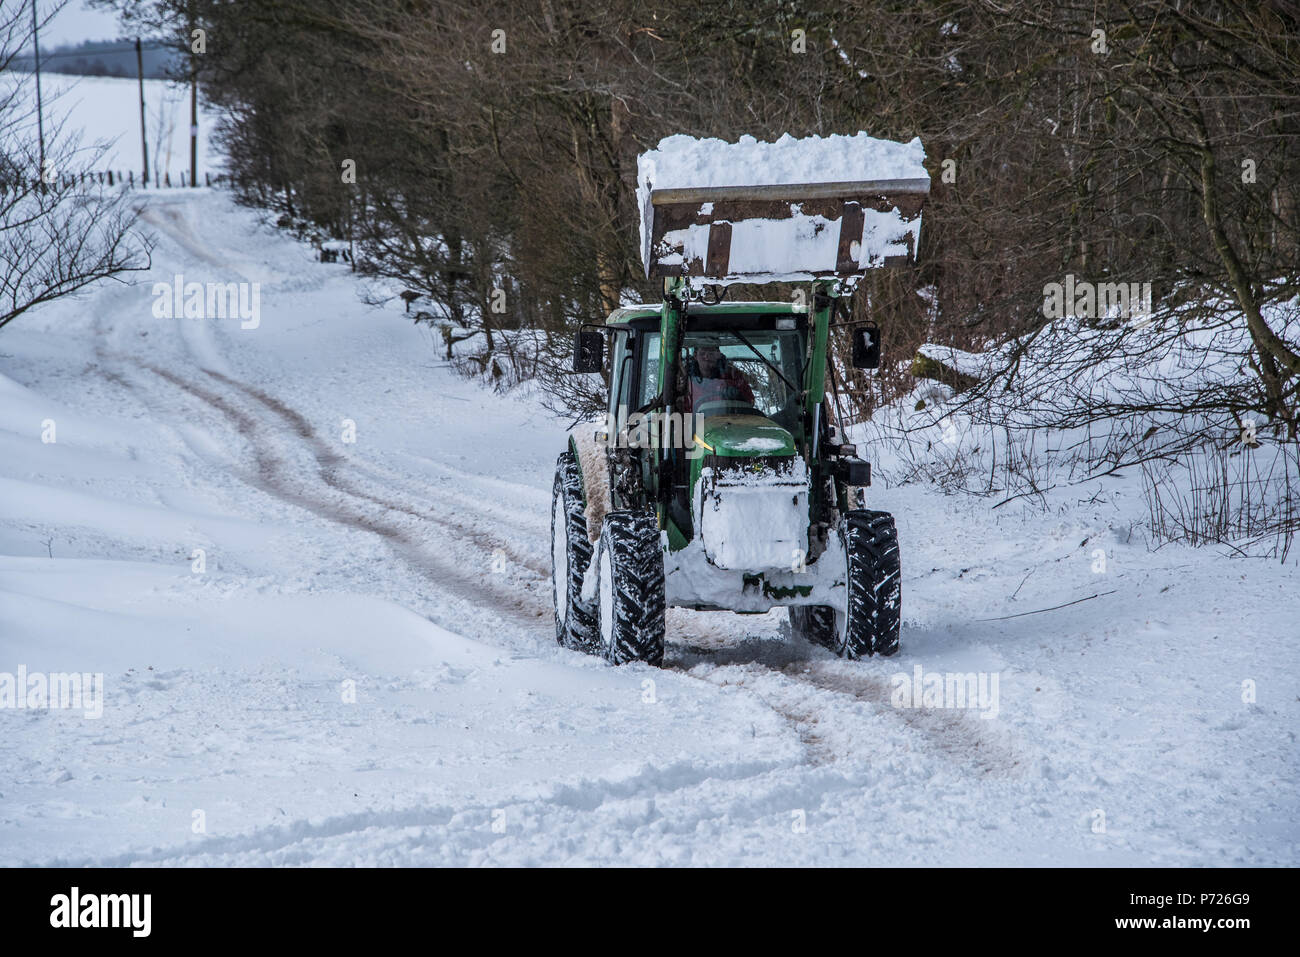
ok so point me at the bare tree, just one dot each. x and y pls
(57, 235)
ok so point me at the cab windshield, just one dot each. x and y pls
(742, 372)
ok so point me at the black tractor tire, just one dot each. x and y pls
(871, 624)
(630, 601)
(575, 619)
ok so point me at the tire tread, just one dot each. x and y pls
(637, 563)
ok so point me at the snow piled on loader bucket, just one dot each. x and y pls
(786, 211)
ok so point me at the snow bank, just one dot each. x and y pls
(1170, 395)
(967, 363)
(1166, 366)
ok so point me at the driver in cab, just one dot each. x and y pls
(712, 378)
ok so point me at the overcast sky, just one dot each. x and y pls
(74, 23)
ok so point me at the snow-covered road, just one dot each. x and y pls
(361, 667)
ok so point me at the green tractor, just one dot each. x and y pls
(721, 479)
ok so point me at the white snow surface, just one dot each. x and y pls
(103, 113)
(412, 565)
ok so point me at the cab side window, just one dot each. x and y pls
(620, 373)
(649, 369)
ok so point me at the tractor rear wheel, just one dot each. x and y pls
(870, 625)
(575, 619)
(630, 604)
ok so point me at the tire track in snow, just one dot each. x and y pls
(457, 831)
(534, 523)
(177, 227)
(809, 694)
(955, 732)
(275, 476)
(330, 464)
(170, 219)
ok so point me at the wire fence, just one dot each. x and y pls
(130, 179)
(1245, 497)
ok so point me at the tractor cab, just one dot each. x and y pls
(735, 406)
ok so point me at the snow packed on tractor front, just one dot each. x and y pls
(718, 478)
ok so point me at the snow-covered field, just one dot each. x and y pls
(104, 112)
(360, 666)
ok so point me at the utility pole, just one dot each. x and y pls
(40, 119)
(144, 139)
(194, 105)
(194, 129)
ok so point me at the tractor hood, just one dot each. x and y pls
(738, 436)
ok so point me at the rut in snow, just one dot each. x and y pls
(280, 478)
(809, 694)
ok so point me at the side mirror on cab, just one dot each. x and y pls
(866, 347)
(588, 352)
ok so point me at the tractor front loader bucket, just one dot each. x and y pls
(783, 233)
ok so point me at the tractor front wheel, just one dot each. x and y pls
(870, 623)
(630, 603)
(575, 619)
